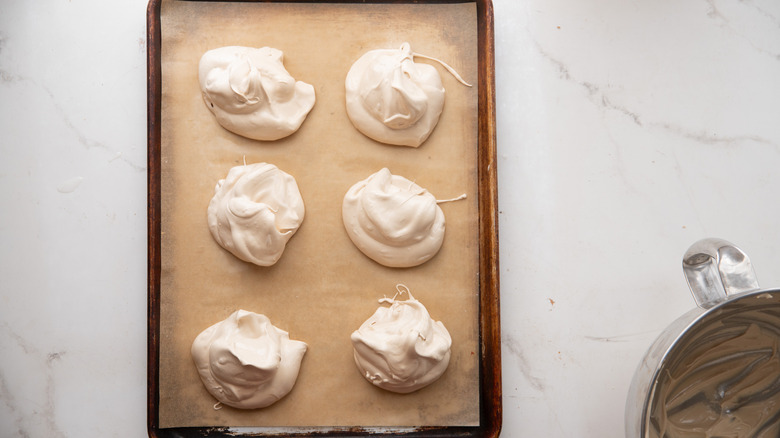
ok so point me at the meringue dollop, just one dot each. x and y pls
(392, 220)
(400, 348)
(392, 99)
(255, 210)
(245, 362)
(251, 93)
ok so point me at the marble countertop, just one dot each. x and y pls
(626, 132)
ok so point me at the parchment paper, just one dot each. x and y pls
(323, 287)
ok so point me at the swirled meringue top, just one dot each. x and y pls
(392, 220)
(392, 99)
(254, 212)
(400, 348)
(245, 362)
(252, 94)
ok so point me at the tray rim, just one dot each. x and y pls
(489, 324)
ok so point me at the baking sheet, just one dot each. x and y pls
(323, 288)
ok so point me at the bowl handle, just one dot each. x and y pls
(715, 269)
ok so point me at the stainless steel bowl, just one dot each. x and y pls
(715, 371)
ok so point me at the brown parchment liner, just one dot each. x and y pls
(323, 287)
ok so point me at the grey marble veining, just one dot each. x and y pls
(73, 222)
(626, 131)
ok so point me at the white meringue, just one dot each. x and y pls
(254, 212)
(252, 94)
(245, 362)
(392, 99)
(392, 220)
(400, 348)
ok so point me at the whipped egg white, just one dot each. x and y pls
(246, 362)
(255, 210)
(400, 348)
(394, 100)
(252, 94)
(392, 220)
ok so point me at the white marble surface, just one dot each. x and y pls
(626, 131)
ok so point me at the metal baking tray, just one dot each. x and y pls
(486, 224)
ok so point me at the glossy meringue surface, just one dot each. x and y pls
(252, 94)
(255, 210)
(246, 362)
(392, 99)
(392, 220)
(400, 348)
